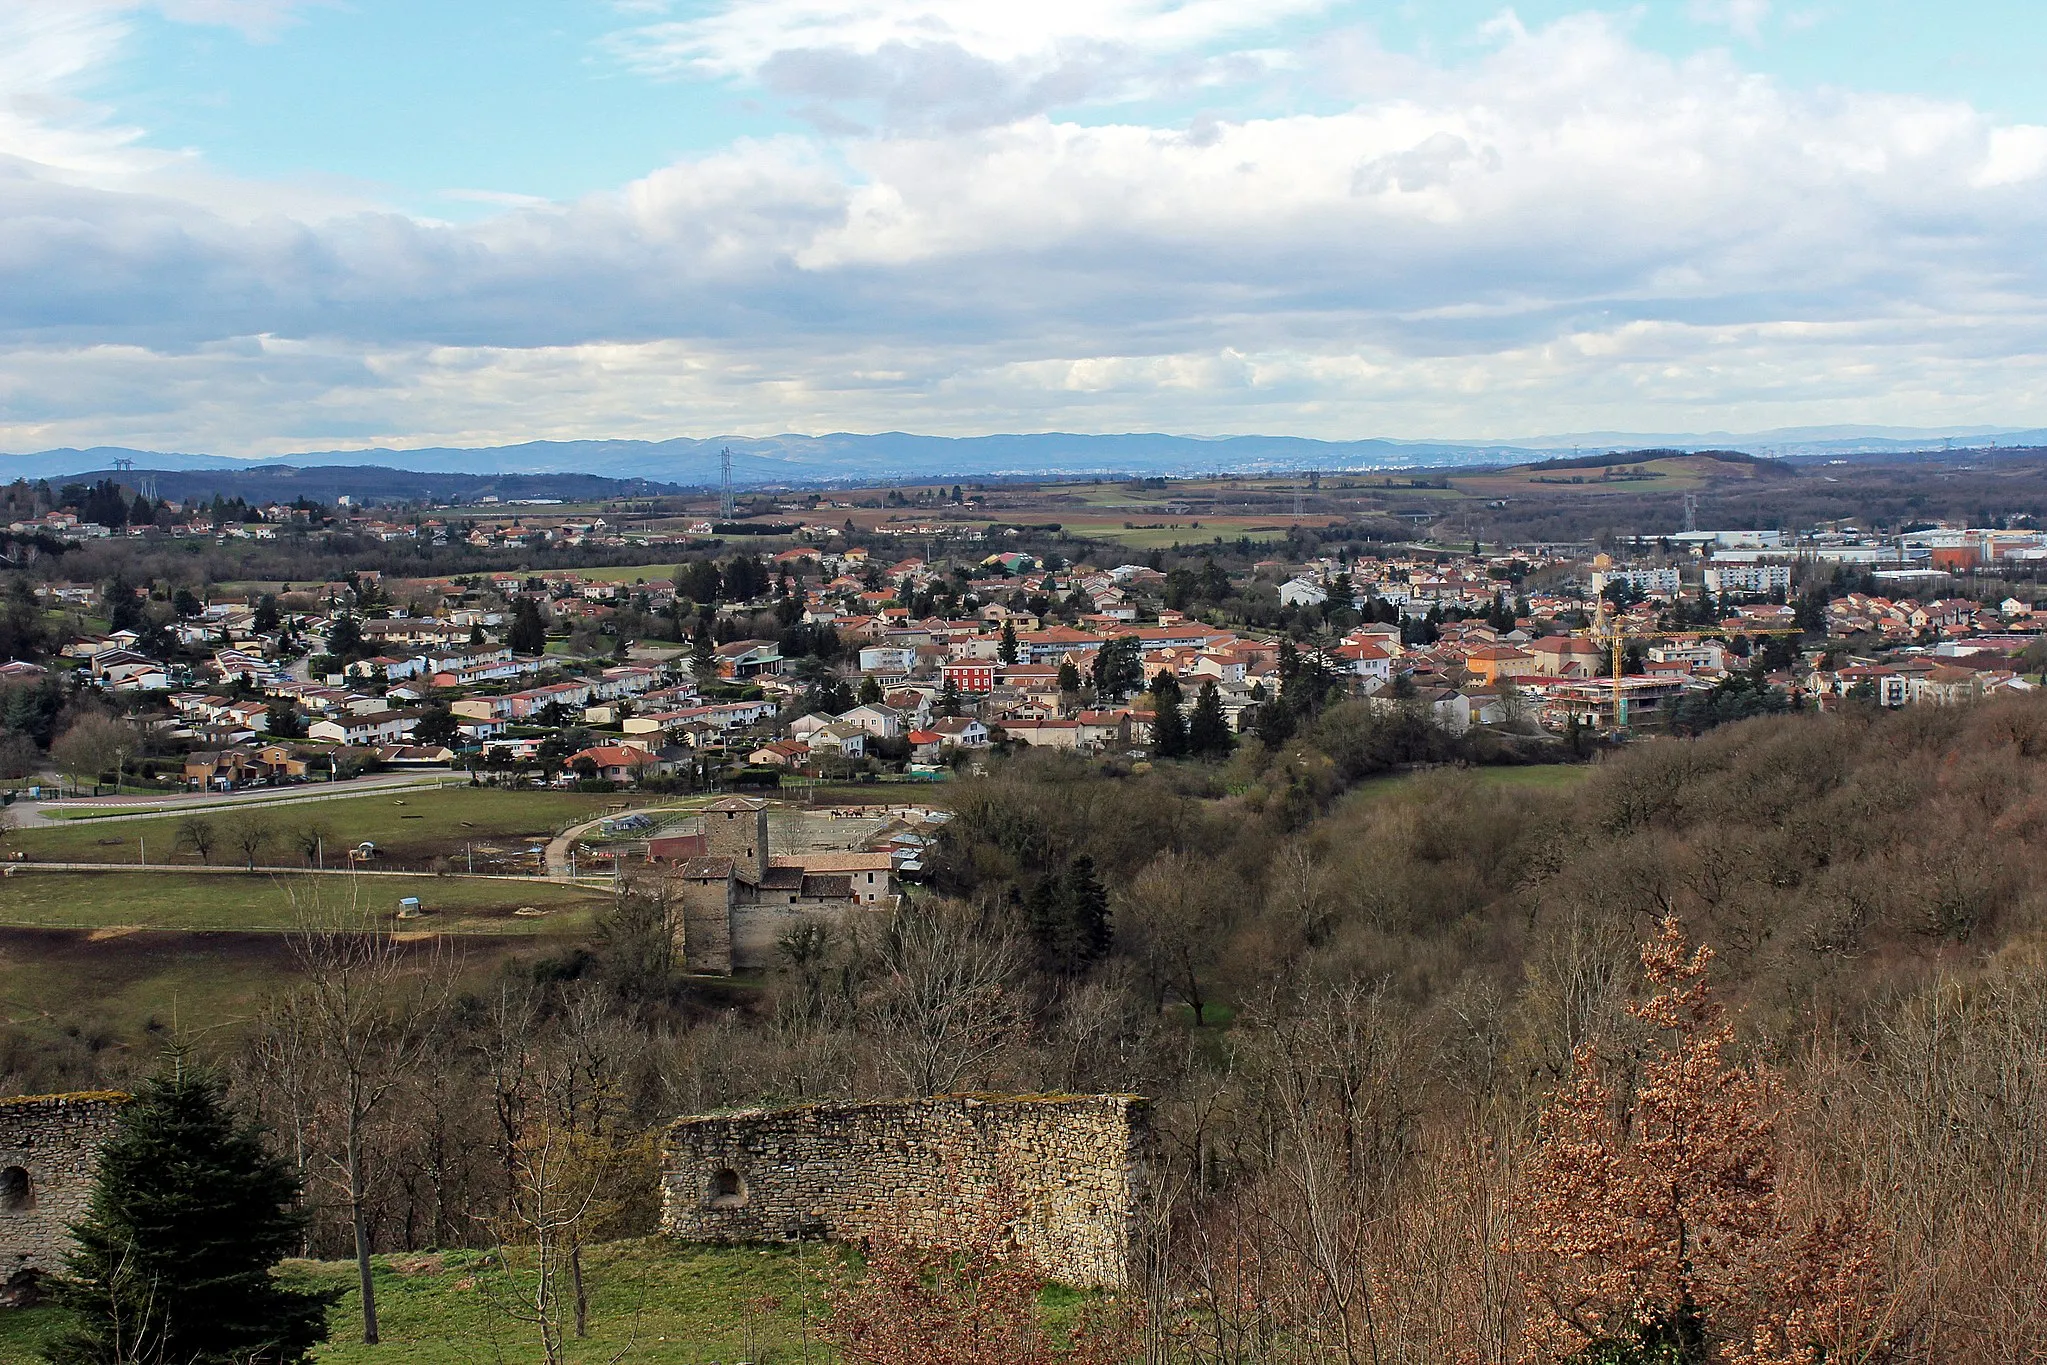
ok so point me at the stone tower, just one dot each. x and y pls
(736, 827)
(49, 1158)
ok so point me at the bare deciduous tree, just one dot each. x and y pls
(941, 995)
(248, 832)
(197, 833)
(365, 1016)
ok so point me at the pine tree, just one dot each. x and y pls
(703, 661)
(174, 1258)
(1168, 728)
(1006, 650)
(1046, 918)
(1208, 732)
(870, 692)
(528, 633)
(1087, 908)
(1069, 676)
(1275, 722)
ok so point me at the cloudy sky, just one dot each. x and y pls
(253, 226)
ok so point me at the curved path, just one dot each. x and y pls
(559, 846)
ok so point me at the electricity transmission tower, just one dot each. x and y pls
(725, 483)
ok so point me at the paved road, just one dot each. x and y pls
(32, 814)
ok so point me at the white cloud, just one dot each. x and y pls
(1562, 232)
(2016, 155)
(1744, 17)
(964, 63)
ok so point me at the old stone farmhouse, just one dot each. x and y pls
(1069, 1168)
(738, 899)
(49, 1155)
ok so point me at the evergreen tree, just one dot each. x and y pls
(703, 659)
(949, 698)
(174, 1258)
(1045, 916)
(1168, 727)
(1068, 918)
(1069, 676)
(1006, 651)
(1275, 722)
(282, 720)
(1087, 905)
(1118, 670)
(528, 633)
(344, 639)
(870, 692)
(124, 609)
(1208, 732)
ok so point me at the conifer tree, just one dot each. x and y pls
(1208, 730)
(527, 633)
(1168, 728)
(1087, 902)
(1006, 650)
(189, 1216)
(703, 660)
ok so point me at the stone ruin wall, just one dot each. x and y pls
(49, 1158)
(920, 1171)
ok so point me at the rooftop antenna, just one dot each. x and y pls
(725, 482)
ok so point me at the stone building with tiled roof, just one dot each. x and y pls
(738, 900)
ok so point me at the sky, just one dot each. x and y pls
(258, 226)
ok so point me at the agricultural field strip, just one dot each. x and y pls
(278, 870)
(42, 817)
(444, 819)
(180, 903)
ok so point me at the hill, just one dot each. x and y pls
(852, 458)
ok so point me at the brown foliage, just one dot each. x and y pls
(975, 1304)
(1652, 1211)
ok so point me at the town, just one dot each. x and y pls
(838, 657)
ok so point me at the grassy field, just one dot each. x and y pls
(118, 989)
(260, 902)
(408, 827)
(652, 1301)
(1155, 532)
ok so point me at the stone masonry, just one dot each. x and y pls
(920, 1171)
(49, 1157)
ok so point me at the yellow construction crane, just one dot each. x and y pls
(1613, 634)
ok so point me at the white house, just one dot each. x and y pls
(1302, 592)
(880, 722)
(963, 731)
(383, 727)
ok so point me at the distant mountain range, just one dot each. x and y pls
(848, 458)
